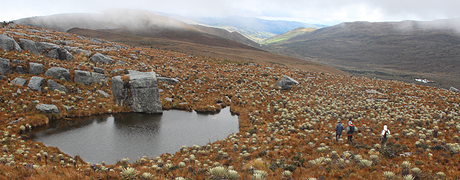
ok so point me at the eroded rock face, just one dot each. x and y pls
(286, 83)
(140, 92)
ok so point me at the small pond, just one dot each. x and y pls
(111, 137)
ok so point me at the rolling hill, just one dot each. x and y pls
(389, 50)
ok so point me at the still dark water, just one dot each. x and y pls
(110, 137)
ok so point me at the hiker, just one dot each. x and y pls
(338, 131)
(385, 134)
(350, 131)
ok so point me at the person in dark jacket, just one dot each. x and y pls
(385, 133)
(350, 131)
(338, 131)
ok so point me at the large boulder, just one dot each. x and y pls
(29, 45)
(83, 77)
(100, 58)
(53, 85)
(7, 43)
(35, 83)
(47, 108)
(75, 50)
(5, 66)
(44, 46)
(139, 91)
(19, 81)
(35, 68)
(286, 82)
(58, 73)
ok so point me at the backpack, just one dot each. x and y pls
(351, 129)
(385, 135)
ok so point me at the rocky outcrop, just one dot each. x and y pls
(139, 91)
(58, 73)
(100, 58)
(35, 83)
(60, 54)
(53, 85)
(47, 49)
(7, 43)
(99, 70)
(19, 81)
(5, 66)
(286, 82)
(47, 108)
(83, 77)
(75, 50)
(35, 68)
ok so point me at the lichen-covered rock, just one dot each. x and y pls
(98, 77)
(52, 85)
(35, 83)
(286, 82)
(100, 58)
(7, 43)
(83, 77)
(47, 108)
(142, 96)
(5, 66)
(35, 68)
(19, 81)
(58, 73)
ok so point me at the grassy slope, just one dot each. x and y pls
(288, 35)
(400, 50)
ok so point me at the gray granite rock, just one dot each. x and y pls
(35, 83)
(19, 68)
(52, 85)
(100, 58)
(7, 43)
(75, 50)
(286, 83)
(42, 46)
(101, 92)
(453, 89)
(19, 81)
(83, 77)
(99, 70)
(98, 77)
(47, 108)
(5, 66)
(35, 68)
(29, 45)
(58, 73)
(142, 96)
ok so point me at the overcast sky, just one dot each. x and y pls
(327, 12)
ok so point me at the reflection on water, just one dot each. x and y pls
(109, 138)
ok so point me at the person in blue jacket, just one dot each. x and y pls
(338, 131)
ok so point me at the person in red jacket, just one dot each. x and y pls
(350, 131)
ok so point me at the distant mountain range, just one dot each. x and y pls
(255, 29)
(391, 50)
